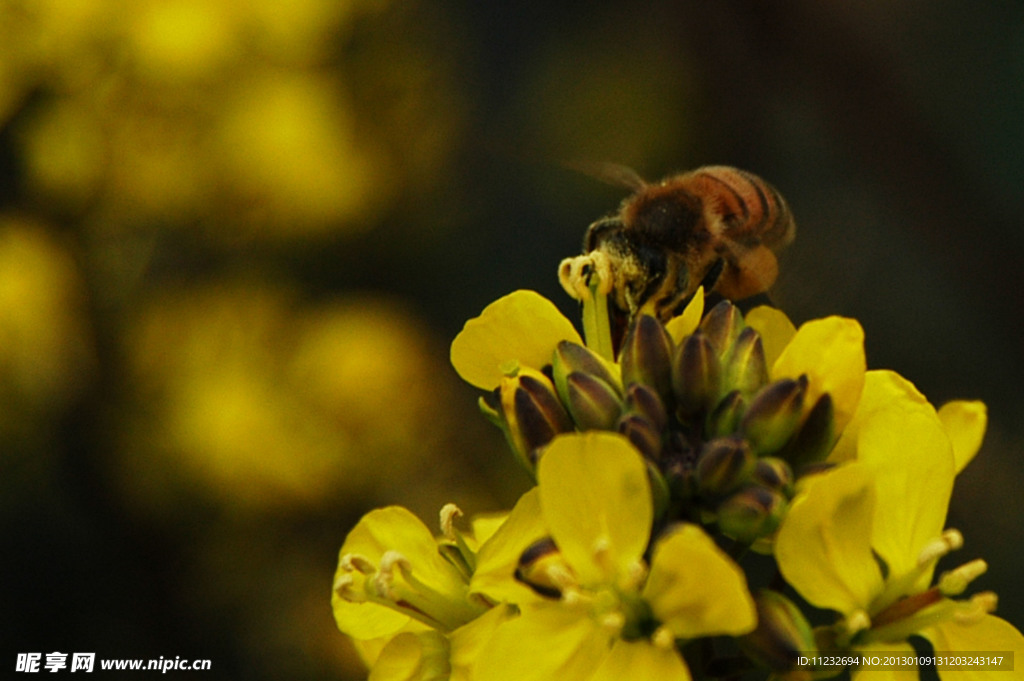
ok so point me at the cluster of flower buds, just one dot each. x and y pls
(723, 441)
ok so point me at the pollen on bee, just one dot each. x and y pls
(577, 275)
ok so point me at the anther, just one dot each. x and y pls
(955, 582)
(663, 638)
(613, 622)
(951, 540)
(857, 622)
(354, 562)
(449, 514)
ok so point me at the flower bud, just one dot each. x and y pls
(642, 400)
(532, 413)
(643, 434)
(815, 438)
(593, 404)
(647, 356)
(745, 368)
(572, 357)
(783, 634)
(752, 513)
(542, 568)
(774, 473)
(696, 376)
(722, 326)
(773, 415)
(725, 464)
(726, 416)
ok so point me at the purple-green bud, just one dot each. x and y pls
(774, 473)
(783, 634)
(661, 494)
(745, 368)
(642, 400)
(725, 418)
(535, 567)
(752, 513)
(643, 434)
(647, 356)
(722, 326)
(815, 438)
(774, 414)
(593, 404)
(725, 464)
(696, 376)
(571, 357)
(533, 413)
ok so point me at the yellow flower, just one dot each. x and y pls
(394, 575)
(518, 330)
(616, 618)
(887, 506)
(677, 391)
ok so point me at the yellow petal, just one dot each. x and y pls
(683, 325)
(965, 424)
(468, 641)
(989, 635)
(422, 656)
(392, 529)
(695, 589)
(883, 389)
(831, 352)
(497, 559)
(548, 641)
(484, 525)
(881, 672)
(775, 329)
(520, 329)
(370, 649)
(906, 449)
(824, 545)
(641, 660)
(596, 500)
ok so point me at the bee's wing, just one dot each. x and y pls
(609, 173)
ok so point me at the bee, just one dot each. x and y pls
(718, 227)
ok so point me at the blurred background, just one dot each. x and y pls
(237, 237)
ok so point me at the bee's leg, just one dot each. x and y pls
(712, 276)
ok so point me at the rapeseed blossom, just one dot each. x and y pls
(708, 490)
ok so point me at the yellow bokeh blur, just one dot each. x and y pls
(46, 348)
(223, 114)
(270, 404)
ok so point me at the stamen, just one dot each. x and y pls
(572, 595)
(561, 577)
(955, 582)
(602, 554)
(951, 540)
(613, 622)
(663, 638)
(343, 588)
(858, 621)
(354, 562)
(449, 514)
(636, 575)
(385, 579)
(987, 601)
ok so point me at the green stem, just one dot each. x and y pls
(597, 328)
